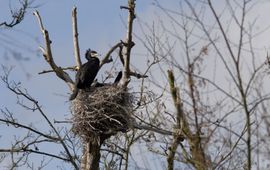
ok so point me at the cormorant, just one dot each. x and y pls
(87, 73)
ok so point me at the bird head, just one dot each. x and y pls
(91, 53)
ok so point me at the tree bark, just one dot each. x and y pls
(91, 156)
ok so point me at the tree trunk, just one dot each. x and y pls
(91, 156)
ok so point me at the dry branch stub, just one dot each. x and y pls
(99, 112)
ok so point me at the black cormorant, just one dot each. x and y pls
(87, 73)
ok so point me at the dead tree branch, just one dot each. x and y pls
(16, 124)
(74, 68)
(75, 38)
(137, 75)
(152, 128)
(26, 150)
(47, 53)
(128, 42)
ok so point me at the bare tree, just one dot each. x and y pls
(203, 105)
(91, 147)
(214, 79)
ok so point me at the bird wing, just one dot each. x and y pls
(79, 78)
(87, 73)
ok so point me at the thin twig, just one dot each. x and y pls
(153, 129)
(73, 68)
(137, 75)
(25, 150)
(37, 107)
(15, 124)
(106, 58)
(17, 16)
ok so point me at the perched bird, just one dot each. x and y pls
(116, 81)
(118, 77)
(87, 73)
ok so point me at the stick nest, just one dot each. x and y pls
(100, 112)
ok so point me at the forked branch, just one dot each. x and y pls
(47, 53)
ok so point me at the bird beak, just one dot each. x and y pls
(96, 55)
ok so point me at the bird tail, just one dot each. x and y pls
(118, 78)
(74, 94)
